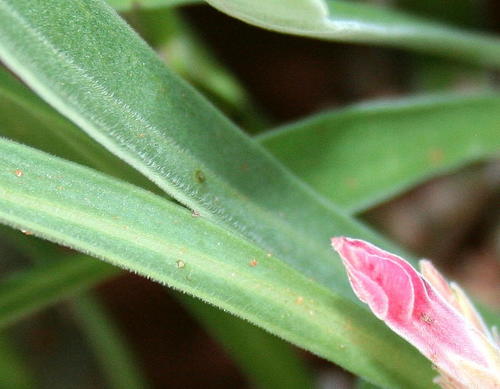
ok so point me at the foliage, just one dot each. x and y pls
(126, 162)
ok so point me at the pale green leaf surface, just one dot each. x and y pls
(25, 292)
(362, 155)
(87, 63)
(357, 22)
(137, 230)
(28, 119)
(116, 360)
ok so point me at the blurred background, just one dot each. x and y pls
(453, 219)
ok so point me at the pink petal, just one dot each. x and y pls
(409, 305)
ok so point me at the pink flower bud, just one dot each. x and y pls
(437, 319)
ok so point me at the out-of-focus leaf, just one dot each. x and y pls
(23, 293)
(362, 155)
(139, 231)
(59, 276)
(357, 22)
(13, 372)
(116, 360)
(429, 73)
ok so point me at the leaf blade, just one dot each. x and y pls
(116, 359)
(362, 155)
(162, 127)
(345, 21)
(151, 235)
(25, 292)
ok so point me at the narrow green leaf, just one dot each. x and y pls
(59, 276)
(364, 23)
(137, 230)
(247, 345)
(90, 66)
(362, 155)
(429, 73)
(115, 359)
(23, 293)
(15, 374)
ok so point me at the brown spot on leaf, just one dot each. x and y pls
(199, 177)
(435, 156)
(352, 182)
(253, 263)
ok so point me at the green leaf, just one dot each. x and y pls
(25, 292)
(365, 385)
(116, 360)
(137, 230)
(125, 5)
(28, 119)
(362, 155)
(363, 23)
(59, 276)
(178, 45)
(268, 373)
(90, 66)
(301, 145)
(15, 374)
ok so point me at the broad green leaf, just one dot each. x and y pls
(15, 374)
(23, 293)
(363, 23)
(139, 231)
(125, 5)
(87, 63)
(248, 345)
(362, 155)
(115, 358)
